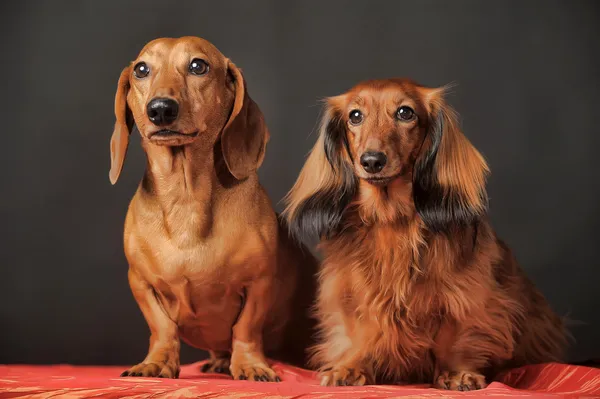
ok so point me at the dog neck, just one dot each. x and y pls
(182, 177)
(385, 205)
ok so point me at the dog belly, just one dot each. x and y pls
(210, 327)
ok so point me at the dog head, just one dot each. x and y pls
(179, 91)
(382, 138)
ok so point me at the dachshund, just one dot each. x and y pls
(415, 286)
(210, 262)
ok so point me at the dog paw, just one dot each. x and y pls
(219, 365)
(254, 372)
(160, 370)
(342, 376)
(460, 381)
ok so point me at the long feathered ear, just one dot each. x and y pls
(120, 137)
(450, 174)
(245, 136)
(326, 185)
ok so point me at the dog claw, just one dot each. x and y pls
(254, 372)
(343, 377)
(157, 370)
(461, 381)
(216, 365)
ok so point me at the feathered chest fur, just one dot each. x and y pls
(396, 286)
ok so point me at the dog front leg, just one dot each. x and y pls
(343, 360)
(163, 356)
(248, 360)
(461, 354)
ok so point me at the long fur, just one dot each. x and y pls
(328, 179)
(414, 281)
(449, 177)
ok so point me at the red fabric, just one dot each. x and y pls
(549, 380)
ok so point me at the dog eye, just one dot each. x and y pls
(405, 113)
(356, 117)
(141, 70)
(198, 66)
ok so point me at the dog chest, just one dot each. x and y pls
(204, 312)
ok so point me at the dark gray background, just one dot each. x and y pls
(528, 93)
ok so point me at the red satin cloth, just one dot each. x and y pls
(540, 381)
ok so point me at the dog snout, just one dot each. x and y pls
(162, 111)
(373, 162)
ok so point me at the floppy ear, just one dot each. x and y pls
(326, 185)
(120, 137)
(245, 136)
(450, 174)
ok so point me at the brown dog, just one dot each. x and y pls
(209, 262)
(415, 285)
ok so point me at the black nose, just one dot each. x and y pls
(162, 111)
(373, 162)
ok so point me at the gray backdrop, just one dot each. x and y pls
(528, 93)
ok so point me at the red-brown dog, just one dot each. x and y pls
(209, 262)
(415, 285)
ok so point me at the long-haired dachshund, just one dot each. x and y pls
(415, 285)
(209, 262)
